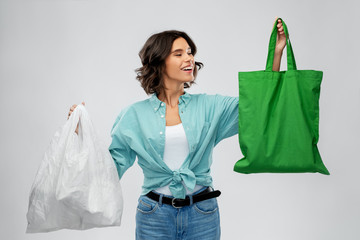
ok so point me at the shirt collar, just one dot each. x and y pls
(156, 103)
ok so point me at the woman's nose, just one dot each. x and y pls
(190, 59)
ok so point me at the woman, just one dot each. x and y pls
(173, 134)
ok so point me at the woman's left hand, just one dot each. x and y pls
(281, 38)
(280, 45)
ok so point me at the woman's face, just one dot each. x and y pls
(179, 65)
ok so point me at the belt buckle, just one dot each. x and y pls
(173, 203)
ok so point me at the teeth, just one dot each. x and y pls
(187, 68)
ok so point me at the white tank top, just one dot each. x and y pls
(175, 152)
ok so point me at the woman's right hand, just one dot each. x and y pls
(70, 112)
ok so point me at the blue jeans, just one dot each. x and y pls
(199, 221)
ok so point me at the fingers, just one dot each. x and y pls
(72, 108)
(280, 27)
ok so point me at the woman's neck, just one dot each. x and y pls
(171, 96)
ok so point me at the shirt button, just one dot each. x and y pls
(155, 109)
(162, 104)
(161, 132)
(162, 116)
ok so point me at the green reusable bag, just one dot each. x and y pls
(279, 117)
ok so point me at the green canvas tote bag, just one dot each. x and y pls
(279, 117)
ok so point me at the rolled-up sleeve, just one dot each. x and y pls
(122, 154)
(228, 124)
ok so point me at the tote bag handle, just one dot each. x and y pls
(291, 64)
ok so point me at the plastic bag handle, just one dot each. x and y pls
(291, 64)
(75, 117)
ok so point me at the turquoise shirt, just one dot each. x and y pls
(139, 130)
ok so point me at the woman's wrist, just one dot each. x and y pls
(277, 60)
(279, 51)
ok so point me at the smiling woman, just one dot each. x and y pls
(180, 63)
(159, 53)
(173, 134)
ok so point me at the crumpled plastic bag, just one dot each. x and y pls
(77, 185)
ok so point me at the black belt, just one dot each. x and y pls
(178, 202)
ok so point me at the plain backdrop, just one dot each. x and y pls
(55, 53)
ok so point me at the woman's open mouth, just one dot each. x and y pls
(188, 69)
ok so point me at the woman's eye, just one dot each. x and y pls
(179, 54)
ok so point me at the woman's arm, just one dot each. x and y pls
(280, 45)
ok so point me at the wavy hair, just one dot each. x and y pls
(153, 54)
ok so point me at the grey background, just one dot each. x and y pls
(57, 53)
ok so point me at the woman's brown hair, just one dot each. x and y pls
(153, 55)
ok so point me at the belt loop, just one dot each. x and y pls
(191, 199)
(160, 199)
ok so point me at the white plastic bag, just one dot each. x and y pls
(77, 185)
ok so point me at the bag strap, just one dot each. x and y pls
(291, 64)
(76, 117)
